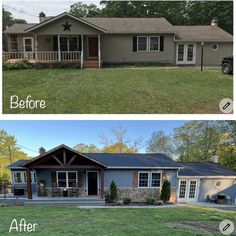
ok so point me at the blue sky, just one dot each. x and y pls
(35, 134)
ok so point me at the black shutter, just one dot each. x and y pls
(134, 43)
(161, 43)
(55, 43)
(79, 41)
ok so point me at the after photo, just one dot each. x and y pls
(118, 177)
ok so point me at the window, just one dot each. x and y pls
(182, 188)
(143, 180)
(67, 179)
(154, 43)
(33, 177)
(214, 47)
(17, 176)
(142, 43)
(218, 183)
(13, 42)
(28, 44)
(192, 189)
(155, 180)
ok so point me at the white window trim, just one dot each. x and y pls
(147, 43)
(67, 179)
(153, 36)
(32, 43)
(22, 173)
(32, 177)
(214, 50)
(144, 172)
(159, 172)
(21, 176)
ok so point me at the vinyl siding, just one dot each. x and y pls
(119, 49)
(207, 187)
(213, 58)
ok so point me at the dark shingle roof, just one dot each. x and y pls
(18, 28)
(17, 165)
(205, 33)
(112, 160)
(204, 169)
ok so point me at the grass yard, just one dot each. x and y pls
(119, 90)
(131, 222)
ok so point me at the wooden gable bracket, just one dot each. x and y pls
(61, 164)
(71, 160)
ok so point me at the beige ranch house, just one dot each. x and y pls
(93, 42)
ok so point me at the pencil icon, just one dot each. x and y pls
(226, 105)
(226, 227)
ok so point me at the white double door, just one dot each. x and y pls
(186, 53)
(188, 190)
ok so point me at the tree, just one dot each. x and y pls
(80, 9)
(86, 148)
(197, 140)
(113, 190)
(9, 152)
(161, 143)
(120, 143)
(165, 191)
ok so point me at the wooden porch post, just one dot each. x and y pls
(36, 47)
(102, 183)
(82, 52)
(28, 180)
(59, 47)
(99, 51)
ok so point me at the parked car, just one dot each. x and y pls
(227, 65)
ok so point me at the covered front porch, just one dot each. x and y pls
(65, 173)
(84, 50)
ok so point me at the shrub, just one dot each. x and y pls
(166, 191)
(113, 190)
(17, 65)
(127, 200)
(150, 200)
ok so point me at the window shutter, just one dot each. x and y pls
(53, 178)
(135, 179)
(161, 43)
(134, 43)
(80, 43)
(80, 179)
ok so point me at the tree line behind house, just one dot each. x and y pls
(194, 141)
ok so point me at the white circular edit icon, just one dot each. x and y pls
(226, 227)
(226, 105)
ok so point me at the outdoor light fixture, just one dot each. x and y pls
(202, 47)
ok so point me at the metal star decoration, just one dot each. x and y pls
(66, 26)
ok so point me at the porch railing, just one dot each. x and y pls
(46, 56)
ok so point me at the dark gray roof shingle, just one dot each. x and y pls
(204, 169)
(17, 165)
(112, 160)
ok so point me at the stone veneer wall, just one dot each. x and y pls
(140, 194)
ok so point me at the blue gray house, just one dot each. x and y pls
(64, 172)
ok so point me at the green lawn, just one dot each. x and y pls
(133, 222)
(120, 90)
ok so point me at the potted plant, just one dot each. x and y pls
(41, 182)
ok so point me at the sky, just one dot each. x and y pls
(49, 134)
(29, 10)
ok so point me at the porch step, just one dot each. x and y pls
(62, 201)
(91, 64)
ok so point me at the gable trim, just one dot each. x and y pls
(60, 16)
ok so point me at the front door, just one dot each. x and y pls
(186, 54)
(188, 190)
(92, 178)
(28, 43)
(93, 46)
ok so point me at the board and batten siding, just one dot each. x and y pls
(118, 48)
(125, 178)
(207, 187)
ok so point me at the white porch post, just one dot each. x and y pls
(82, 52)
(36, 47)
(59, 47)
(99, 51)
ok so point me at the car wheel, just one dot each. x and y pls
(226, 69)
